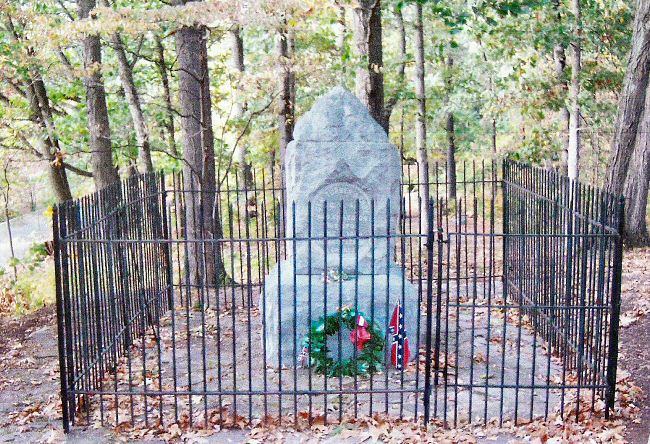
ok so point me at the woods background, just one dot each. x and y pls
(94, 91)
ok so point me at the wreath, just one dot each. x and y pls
(365, 336)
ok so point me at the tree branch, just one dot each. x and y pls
(241, 135)
(77, 170)
(66, 63)
(66, 10)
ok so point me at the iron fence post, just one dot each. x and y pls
(60, 320)
(121, 221)
(436, 349)
(167, 247)
(612, 359)
(427, 365)
(505, 220)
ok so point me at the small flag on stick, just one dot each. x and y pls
(400, 352)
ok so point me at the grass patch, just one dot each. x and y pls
(33, 286)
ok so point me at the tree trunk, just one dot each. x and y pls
(421, 122)
(636, 185)
(451, 137)
(164, 77)
(494, 137)
(401, 69)
(559, 55)
(104, 172)
(573, 158)
(451, 156)
(132, 169)
(198, 155)
(633, 97)
(8, 221)
(245, 175)
(50, 149)
(286, 114)
(59, 182)
(135, 108)
(341, 35)
(291, 41)
(399, 18)
(209, 168)
(370, 77)
(560, 66)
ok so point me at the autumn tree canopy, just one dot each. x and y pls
(95, 88)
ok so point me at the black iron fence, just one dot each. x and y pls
(177, 305)
(563, 270)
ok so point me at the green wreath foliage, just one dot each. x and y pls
(369, 360)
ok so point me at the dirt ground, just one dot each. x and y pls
(29, 388)
(635, 336)
(15, 330)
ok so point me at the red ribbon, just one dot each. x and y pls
(359, 336)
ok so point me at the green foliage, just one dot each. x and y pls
(35, 255)
(33, 288)
(502, 50)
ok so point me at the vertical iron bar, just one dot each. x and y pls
(62, 339)
(325, 279)
(372, 285)
(170, 284)
(386, 320)
(295, 311)
(427, 362)
(439, 277)
(506, 264)
(612, 360)
(309, 307)
(340, 307)
(356, 299)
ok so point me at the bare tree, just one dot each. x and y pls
(104, 171)
(368, 42)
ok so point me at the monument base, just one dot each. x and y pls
(287, 297)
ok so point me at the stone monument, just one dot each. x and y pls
(342, 177)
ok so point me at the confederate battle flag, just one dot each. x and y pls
(400, 352)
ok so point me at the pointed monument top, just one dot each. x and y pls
(339, 116)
